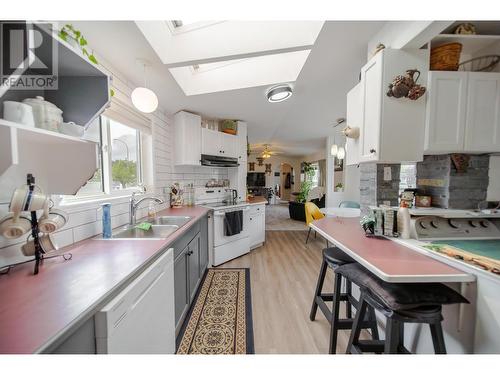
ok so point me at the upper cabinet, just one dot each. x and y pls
(192, 141)
(217, 143)
(463, 112)
(391, 129)
(187, 129)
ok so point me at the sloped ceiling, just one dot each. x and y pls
(299, 125)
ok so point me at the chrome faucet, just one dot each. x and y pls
(134, 204)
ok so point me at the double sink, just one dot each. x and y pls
(161, 227)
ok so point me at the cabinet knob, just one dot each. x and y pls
(372, 151)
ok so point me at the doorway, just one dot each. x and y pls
(286, 178)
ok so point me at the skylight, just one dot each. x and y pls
(240, 73)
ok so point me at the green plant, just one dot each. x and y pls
(69, 32)
(306, 185)
(229, 124)
(339, 186)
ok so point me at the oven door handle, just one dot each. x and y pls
(222, 213)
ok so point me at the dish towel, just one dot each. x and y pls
(233, 223)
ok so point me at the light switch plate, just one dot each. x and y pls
(387, 174)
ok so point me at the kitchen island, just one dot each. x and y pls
(40, 312)
(472, 328)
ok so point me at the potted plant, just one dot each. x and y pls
(296, 209)
(339, 187)
(229, 126)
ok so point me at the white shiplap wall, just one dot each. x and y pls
(85, 219)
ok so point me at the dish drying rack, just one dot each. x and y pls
(40, 254)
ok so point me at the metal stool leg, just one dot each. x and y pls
(438, 338)
(308, 233)
(335, 313)
(319, 287)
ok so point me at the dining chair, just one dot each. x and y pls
(312, 213)
(349, 204)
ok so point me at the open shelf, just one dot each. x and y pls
(83, 87)
(471, 44)
(62, 163)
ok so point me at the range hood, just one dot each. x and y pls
(218, 161)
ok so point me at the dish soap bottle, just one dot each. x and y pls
(106, 220)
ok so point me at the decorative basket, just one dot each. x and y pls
(446, 57)
(480, 64)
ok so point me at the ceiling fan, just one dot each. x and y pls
(267, 152)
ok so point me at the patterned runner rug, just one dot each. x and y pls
(220, 320)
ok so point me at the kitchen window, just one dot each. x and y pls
(120, 160)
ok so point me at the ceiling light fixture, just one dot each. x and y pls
(144, 99)
(279, 93)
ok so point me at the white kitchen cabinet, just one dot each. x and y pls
(354, 116)
(482, 130)
(187, 129)
(257, 225)
(392, 128)
(229, 145)
(463, 112)
(210, 142)
(446, 109)
(239, 175)
(218, 143)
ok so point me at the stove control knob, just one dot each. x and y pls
(484, 223)
(423, 225)
(454, 223)
(474, 223)
(434, 224)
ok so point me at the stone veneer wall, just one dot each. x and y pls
(374, 190)
(438, 177)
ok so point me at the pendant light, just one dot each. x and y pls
(334, 150)
(144, 99)
(341, 153)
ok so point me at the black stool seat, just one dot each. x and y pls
(336, 257)
(400, 303)
(400, 296)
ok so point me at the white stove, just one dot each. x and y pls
(223, 248)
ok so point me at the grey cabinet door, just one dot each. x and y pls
(181, 285)
(203, 245)
(194, 265)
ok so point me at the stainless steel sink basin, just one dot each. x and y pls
(156, 231)
(171, 220)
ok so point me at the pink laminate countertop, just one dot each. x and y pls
(390, 261)
(36, 310)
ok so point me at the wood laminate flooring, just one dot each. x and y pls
(283, 276)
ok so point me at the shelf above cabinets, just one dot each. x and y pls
(61, 163)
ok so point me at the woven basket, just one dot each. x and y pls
(446, 57)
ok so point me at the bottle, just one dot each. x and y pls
(404, 223)
(151, 211)
(106, 220)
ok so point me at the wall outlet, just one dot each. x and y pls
(387, 174)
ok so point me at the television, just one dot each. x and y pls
(256, 179)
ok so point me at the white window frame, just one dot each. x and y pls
(106, 151)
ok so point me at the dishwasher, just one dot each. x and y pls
(141, 320)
